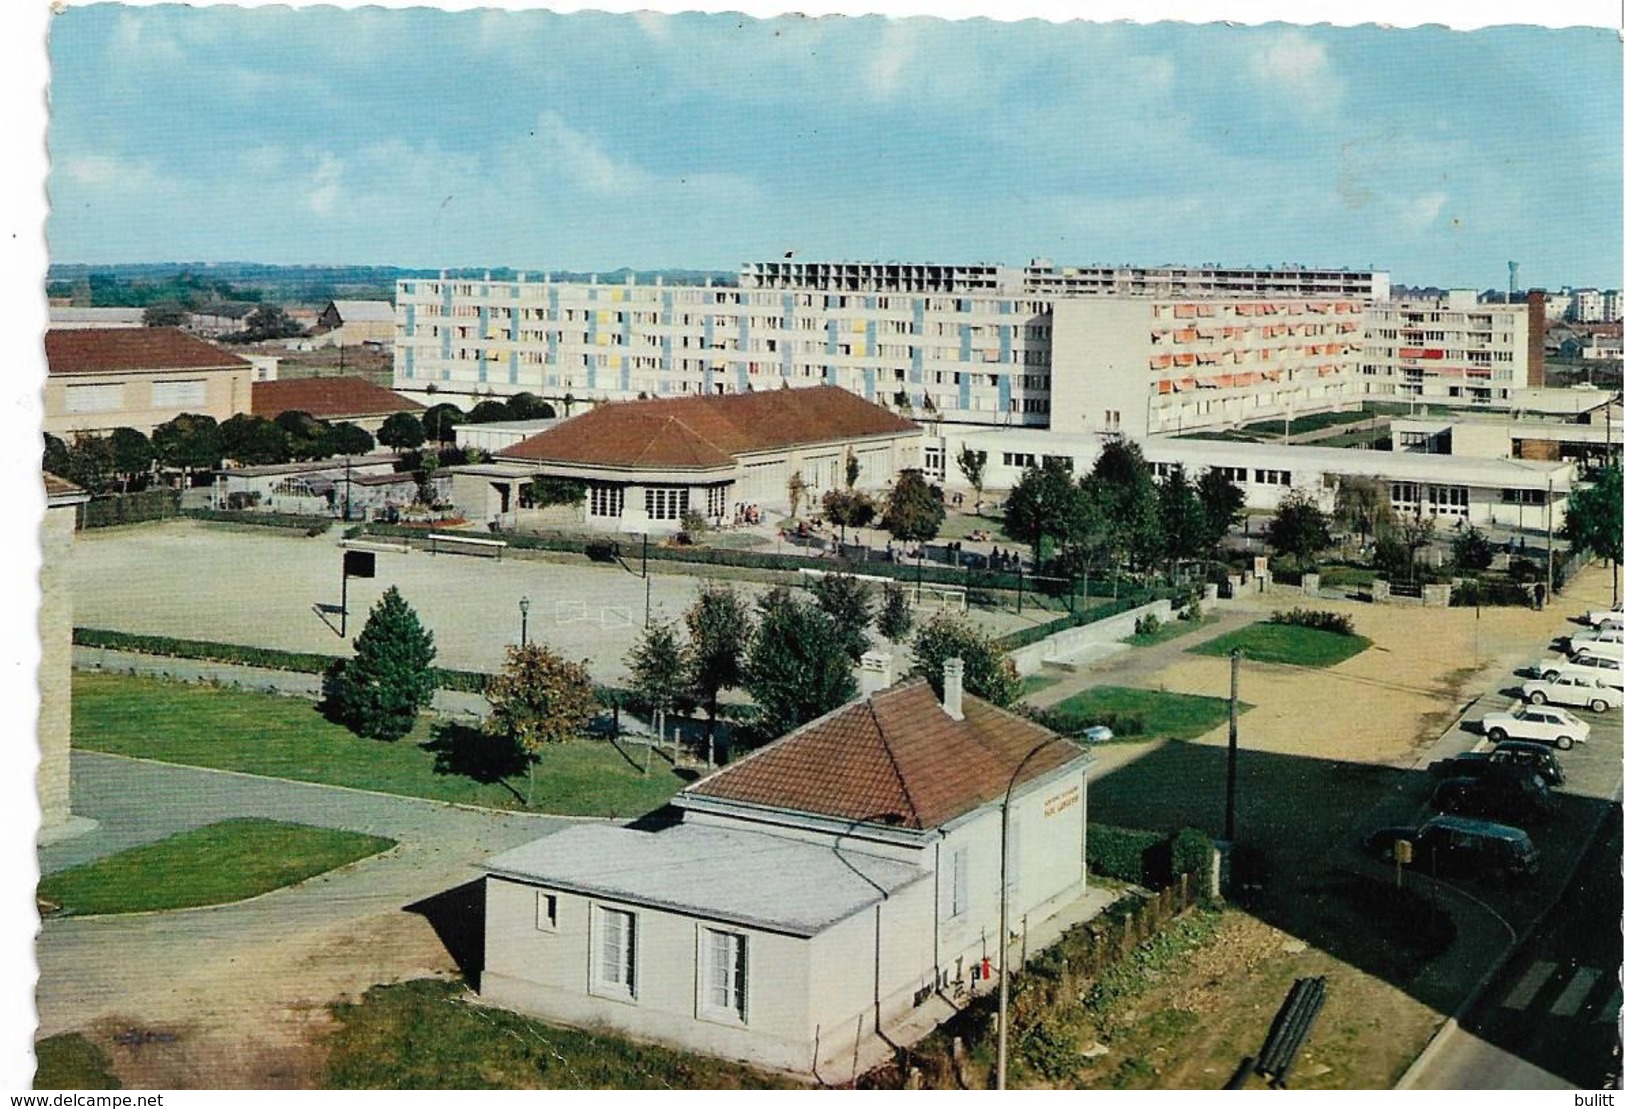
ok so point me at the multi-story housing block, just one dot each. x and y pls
(1131, 350)
(1450, 350)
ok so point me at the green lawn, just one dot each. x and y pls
(1313, 422)
(960, 523)
(1032, 683)
(72, 1062)
(285, 737)
(420, 1035)
(212, 865)
(1170, 629)
(1144, 713)
(1286, 643)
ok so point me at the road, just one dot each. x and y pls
(1550, 1019)
(166, 964)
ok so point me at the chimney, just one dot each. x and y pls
(953, 688)
(874, 672)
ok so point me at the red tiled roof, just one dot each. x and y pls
(59, 487)
(328, 398)
(895, 758)
(132, 349)
(696, 433)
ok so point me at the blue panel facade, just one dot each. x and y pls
(832, 331)
(513, 367)
(411, 319)
(964, 342)
(1004, 392)
(964, 391)
(1004, 344)
(869, 383)
(485, 322)
(445, 328)
(411, 368)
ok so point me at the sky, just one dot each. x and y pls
(592, 141)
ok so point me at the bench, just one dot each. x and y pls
(465, 544)
(378, 546)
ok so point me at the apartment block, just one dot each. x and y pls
(1450, 350)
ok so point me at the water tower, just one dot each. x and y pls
(1512, 280)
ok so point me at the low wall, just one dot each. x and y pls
(1031, 658)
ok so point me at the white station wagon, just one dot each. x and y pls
(1541, 723)
(1581, 690)
(1603, 634)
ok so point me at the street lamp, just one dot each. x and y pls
(1004, 905)
(524, 621)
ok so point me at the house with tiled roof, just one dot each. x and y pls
(821, 900)
(334, 399)
(355, 322)
(99, 379)
(647, 463)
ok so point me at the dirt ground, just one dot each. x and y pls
(1379, 706)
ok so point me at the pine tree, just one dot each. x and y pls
(381, 689)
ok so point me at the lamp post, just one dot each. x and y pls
(524, 621)
(1004, 906)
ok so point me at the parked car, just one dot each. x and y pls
(1613, 651)
(1513, 793)
(1582, 690)
(1538, 723)
(1605, 671)
(1606, 617)
(1596, 635)
(1512, 752)
(1461, 845)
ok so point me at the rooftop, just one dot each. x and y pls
(895, 758)
(703, 433)
(365, 311)
(750, 878)
(132, 350)
(328, 398)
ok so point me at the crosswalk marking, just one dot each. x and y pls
(1529, 985)
(1568, 1002)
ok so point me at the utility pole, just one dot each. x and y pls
(1230, 766)
(1549, 553)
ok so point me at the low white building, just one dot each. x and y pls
(816, 892)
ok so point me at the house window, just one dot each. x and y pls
(547, 911)
(665, 504)
(615, 961)
(94, 398)
(724, 974)
(959, 883)
(716, 501)
(178, 394)
(606, 500)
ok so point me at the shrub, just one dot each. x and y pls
(1054, 1055)
(1335, 622)
(694, 522)
(601, 550)
(1191, 852)
(1192, 611)
(1120, 852)
(549, 491)
(1470, 592)
(1147, 624)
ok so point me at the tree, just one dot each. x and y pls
(1126, 495)
(402, 431)
(658, 671)
(269, 321)
(440, 420)
(896, 618)
(346, 438)
(539, 699)
(90, 463)
(1472, 550)
(188, 442)
(1300, 530)
(1407, 534)
(167, 314)
(57, 457)
(914, 511)
(131, 454)
(850, 603)
(973, 464)
(1594, 523)
(1183, 519)
(380, 690)
(796, 489)
(528, 406)
(1222, 502)
(1362, 506)
(796, 668)
(718, 630)
(1043, 504)
(989, 673)
(845, 506)
(489, 412)
(853, 469)
(254, 441)
(307, 436)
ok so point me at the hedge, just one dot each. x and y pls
(1147, 858)
(130, 508)
(310, 525)
(264, 658)
(1317, 619)
(1469, 592)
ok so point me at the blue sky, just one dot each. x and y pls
(592, 141)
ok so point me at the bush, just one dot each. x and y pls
(1120, 852)
(1054, 1055)
(1192, 611)
(601, 550)
(310, 525)
(1147, 624)
(694, 522)
(1470, 592)
(130, 508)
(1070, 724)
(1191, 852)
(1335, 622)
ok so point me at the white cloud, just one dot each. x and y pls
(584, 161)
(1297, 66)
(325, 185)
(137, 40)
(657, 25)
(109, 171)
(899, 43)
(1419, 213)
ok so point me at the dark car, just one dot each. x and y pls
(1509, 755)
(1512, 793)
(1457, 845)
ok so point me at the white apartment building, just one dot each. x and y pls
(1143, 350)
(1450, 350)
(1593, 305)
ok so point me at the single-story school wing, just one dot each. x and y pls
(647, 463)
(820, 893)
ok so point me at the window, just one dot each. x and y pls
(716, 501)
(1019, 459)
(606, 500)
(665, 504)
(94, 398)
(178, 394)
(547, 911)
(724, 974)
(615, 961)
(958, 900)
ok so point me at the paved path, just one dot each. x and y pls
(137, 965)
